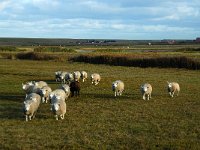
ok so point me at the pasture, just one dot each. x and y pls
(96, 119)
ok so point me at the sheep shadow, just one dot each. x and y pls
(51, 82)
(14, 97)
(8, 111)
(11, 106)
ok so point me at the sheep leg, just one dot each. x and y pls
(43, 99)
(172, 95)
(115, 93)
(143, 96)
(46, 99)
(177, 93)
(148, 97)
(29, 117)
(26, 117)
(56, 116)
(62, 116)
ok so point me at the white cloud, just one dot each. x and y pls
(4, 4)
(101, 18)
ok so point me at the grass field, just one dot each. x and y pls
(96, 119)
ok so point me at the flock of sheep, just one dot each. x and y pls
(37, 92)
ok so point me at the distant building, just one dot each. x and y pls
(197, 39)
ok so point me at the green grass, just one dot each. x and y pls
(96, 119)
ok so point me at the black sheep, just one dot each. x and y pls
(75, 88)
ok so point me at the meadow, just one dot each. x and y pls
(96, 119)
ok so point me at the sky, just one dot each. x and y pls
(100, 19)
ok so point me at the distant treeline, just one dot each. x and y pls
(53, 49)
(81, 42)
(161, 62)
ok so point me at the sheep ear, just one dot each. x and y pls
(24, 102)
(167, 82)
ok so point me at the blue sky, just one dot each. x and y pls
(100, 19)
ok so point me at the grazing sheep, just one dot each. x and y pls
(58, 107)
(146, 90)
(31, 104)
(172, 88)
(58, 76)
(75, 88)
(57, 92)
(40, 84)
(77, 75)
(69, 78)
(83, 75)
(44, 93)
(28, 89)
(95, 78)
(63, 76)
(118, 87)
(66, 88)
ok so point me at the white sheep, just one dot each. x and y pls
(58, 107)
(58, 76)
(95, 78)
(40, 84)
(77, 75)
(69, 77)
(83, 75)
(118, 87)
(44, 93)
(30, 88)
(66, 88)
(57, 92)
(146, 90)
(31, 104)
(173, 87)
(63, 76)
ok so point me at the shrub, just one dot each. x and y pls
(161, 62)
(35, 56)
(8, 48)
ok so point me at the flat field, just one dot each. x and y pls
(96, 119)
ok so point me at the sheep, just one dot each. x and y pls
(57, 92)
(172, 88)
(69, 78)
(146, 90)
(58, 76)
(58, 107)
(77, 75)
(30, 88)
(63, 76)
(83, 75)
(33, 87)
(44, 93)
(31, 104)
(75, 88)
(118, 87)
(40, 84)
(95, 78)
(66, 88)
